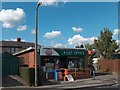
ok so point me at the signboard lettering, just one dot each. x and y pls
(77, 52)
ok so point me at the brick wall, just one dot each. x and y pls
(109, 65)
(31, 59)
(28, 59)
(24, 59)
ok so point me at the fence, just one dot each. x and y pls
(77, 73)
(109, 65)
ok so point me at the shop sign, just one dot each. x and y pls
(48, 51)
(71, 52)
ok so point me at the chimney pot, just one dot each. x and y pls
(18, 39)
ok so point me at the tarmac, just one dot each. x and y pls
(100, 81)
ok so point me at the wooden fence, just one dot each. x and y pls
(109, 65)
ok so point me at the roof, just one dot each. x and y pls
(25, 50)
(116, 56)
(93, 46)
(65, 48)
(32, 48)
(97, 54)
(17, 44)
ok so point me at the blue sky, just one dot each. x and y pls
(60, 24)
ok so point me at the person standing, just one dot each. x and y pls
(92, 71)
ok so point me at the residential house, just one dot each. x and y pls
(15, 46)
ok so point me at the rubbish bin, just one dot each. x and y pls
(56, 74)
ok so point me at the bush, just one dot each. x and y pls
(28, 75)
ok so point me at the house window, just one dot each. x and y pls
(12, 50)
(8, 50)
(16, 49)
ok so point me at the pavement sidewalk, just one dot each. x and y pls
(104, 80)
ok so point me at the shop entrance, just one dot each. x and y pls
(63, 62)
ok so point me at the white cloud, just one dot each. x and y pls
(78, 40)
(49, 2)
(11, 18)
(22, 28)
(116, 32)
(52, 34)
(52, 2)
(33, 31)
(59, 45)
(118, 42)
(14, 40)
(64, 1)
(77, 29)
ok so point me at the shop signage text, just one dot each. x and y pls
(71, 52)
(74, 53)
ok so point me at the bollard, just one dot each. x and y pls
(55, 75)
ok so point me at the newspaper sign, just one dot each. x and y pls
(69, 77)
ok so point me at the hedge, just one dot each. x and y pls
(28, 75)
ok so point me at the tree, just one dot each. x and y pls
(88, 46)
(105, 44)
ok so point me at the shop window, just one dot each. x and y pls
(63, 63)
(71, 64)
(57, 61)
(49, 67)
(81, 63)
(57, 64)
(75, 63)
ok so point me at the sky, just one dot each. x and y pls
(60, 24)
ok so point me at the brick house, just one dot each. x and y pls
(15, 46)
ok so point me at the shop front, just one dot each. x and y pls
(74, 60)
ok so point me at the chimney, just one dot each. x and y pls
(18, 39)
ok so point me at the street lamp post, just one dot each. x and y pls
(36, 44)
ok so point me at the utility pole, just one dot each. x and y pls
(36, 45)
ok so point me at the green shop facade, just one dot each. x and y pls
(73, 59)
